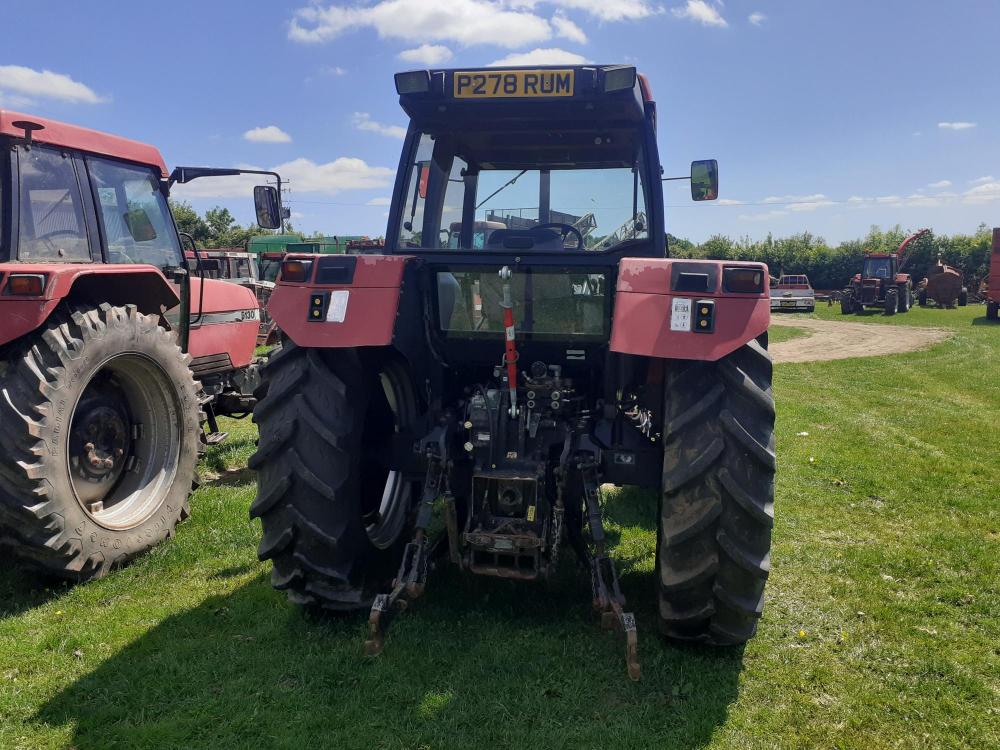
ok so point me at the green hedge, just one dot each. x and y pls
(831, 267)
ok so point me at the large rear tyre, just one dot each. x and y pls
(717, 508)
(846, 304)
(992, 310)
(963, 297)
(333, 511)
(99, 419)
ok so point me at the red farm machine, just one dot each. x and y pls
(882, 282)
(493, 381)
(993, 280)
(112, 356)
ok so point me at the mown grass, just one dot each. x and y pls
(785, 333)
(882, 628)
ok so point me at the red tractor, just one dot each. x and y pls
(882, 282)
(111, 355)
(993, 282)
(488, 386)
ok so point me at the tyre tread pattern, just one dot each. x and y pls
(717, 509)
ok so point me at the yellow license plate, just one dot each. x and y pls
(500, 84)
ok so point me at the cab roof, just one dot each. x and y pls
(63, 134)
(440, 106)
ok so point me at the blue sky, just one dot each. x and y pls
(824, 116)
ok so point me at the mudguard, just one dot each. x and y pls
(346, 301)
(144, 286)
(657, 311)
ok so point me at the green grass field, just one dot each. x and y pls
(882, 628)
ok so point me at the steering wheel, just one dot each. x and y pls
(49, 239)
(564, 231)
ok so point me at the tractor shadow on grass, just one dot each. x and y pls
(22, 588)
(475, 661)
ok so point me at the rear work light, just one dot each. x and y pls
(26, 284)
(413, 82)
(619, 78)
(743, 280)
(296, 270)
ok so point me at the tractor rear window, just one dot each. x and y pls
(479, 192)
(558, 303)
(137, 223)
(51, 223)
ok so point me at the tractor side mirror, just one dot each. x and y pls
(704, 180)
(139, 225)
(267, 207)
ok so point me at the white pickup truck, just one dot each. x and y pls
(793, 292)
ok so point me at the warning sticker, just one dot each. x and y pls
(337, 310)
(680, 314)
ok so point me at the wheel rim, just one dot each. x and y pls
(124, 442)
(386, 490)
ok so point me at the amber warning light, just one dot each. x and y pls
(26, 284)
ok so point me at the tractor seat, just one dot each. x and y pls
(525, 239)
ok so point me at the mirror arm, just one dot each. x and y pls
(668, 179)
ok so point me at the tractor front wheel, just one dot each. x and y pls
(99, 427)
(891, 302)
(717, 507)
(963, 297)
(846, 304)
(333, 509)
(905, 301)
(992, 310)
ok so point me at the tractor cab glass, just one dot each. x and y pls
(134, 213)
(877, 268)
(484, 191)
(6, 204)
(51, 215)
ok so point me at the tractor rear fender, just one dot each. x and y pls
(139, 285)
(345, 301)
(680, 309)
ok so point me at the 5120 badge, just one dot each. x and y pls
(513, 84)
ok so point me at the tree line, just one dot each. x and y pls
(832, 266)
(219, 228)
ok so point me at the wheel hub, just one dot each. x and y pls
(99, 445)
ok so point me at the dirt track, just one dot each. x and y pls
(831, 339)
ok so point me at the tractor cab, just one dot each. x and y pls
(550, 173)
(881, 267)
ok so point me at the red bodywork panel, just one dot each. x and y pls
(993, 285)
(232, 314)
(71, 136)
(369, 314)
(229, 323)
(642, 317)
(143, 285)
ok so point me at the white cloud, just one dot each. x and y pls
(940, 184)
(466, 22)
(982, 180)
(810, 205)
(888, 199)
(541, 56)
(702, 12)
(857, 199)
(728, 202)
(269, 134)
(379, 202)
(757, 18)
(568, 30)
(332, 70)
(28, 84)
(794, 198)
(427, 54)
(611, 10)
(956, 125)
(364, 121)
(302, 176)
(986, 192)
(767, 215)
(15, 101)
